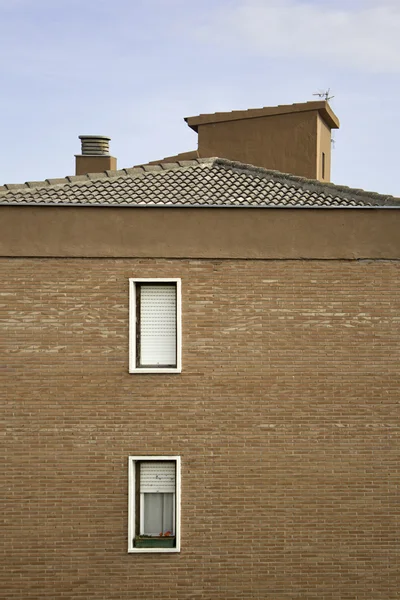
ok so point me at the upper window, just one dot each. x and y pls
(154, 504)
(155, 326)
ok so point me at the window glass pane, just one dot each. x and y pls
(168, 513)
(158, 514)
(153, 514)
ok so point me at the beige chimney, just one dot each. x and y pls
(95, 156)
(294, 138)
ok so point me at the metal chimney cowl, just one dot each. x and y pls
(95, 157)
(94, 145)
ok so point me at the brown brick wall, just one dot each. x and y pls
(285, 416)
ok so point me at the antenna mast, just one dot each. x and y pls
(324, 95)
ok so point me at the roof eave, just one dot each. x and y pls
(322, 107)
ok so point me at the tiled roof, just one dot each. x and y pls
(210, 182)
(321, 106)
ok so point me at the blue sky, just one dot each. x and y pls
(132, 69)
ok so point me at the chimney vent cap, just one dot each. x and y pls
(95, 145)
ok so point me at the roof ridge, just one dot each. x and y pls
(313, 103)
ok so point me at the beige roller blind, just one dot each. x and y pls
(157, 325)
(157, 477)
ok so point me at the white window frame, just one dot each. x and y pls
(133, 368)
(132, 508)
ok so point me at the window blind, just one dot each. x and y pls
(157, 325)
(157, 477)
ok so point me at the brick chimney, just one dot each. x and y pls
(95, 156)
(294, 138)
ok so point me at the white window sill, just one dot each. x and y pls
(156, 370)
(147, 550)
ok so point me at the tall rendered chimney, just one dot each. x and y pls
(294, 138)
(95, 156)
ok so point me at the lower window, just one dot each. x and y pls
(154, 504)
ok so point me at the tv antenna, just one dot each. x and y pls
(324, 95)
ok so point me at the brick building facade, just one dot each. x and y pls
(285, 412)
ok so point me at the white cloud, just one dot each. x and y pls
(360, 35)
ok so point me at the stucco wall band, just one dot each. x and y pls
(257, 233)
